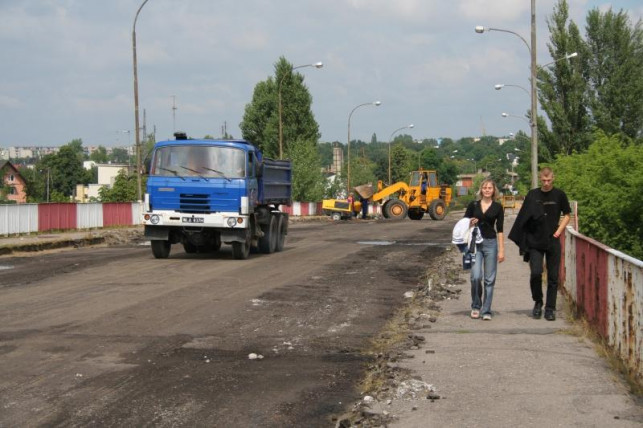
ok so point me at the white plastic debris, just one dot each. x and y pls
(368, 399)
(409, 295)
(253, 356)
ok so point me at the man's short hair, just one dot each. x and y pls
(546, 171)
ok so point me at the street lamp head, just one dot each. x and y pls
(411, 126)
(377, 103)
(572, 55)
(505, 115)
(480, 29)
(318, 64)
(499, 86)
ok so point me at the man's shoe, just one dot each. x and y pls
(550, 315)
(538, 310)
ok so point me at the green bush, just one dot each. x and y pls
(606, 181)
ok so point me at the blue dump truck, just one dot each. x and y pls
(202, 193)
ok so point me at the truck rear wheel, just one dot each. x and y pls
(282, 229)
(268, 241)
(437, 209)
(396, 209)
(161, 249)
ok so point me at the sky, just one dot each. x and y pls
(67, 65)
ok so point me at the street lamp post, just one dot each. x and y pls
(390, 139)
(136, 124)
(534, 100)
(281, 126)
(348, 147)
(499, 86)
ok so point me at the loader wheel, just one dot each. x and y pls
(396, 209)
(416, 214)
(384, 209)
(437, 209)
(336, 216)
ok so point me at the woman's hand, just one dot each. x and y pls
(473, 222)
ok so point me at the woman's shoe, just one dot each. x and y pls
(486, 317)
(475, 314)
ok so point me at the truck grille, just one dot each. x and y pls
(194, 203)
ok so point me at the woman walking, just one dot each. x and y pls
(488, 215)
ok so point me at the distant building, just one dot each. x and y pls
(106, 176)
(13, 184)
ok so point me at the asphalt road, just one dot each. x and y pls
(111, 336)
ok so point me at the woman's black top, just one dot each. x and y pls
(489, 222)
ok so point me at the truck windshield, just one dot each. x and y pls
(199, 161)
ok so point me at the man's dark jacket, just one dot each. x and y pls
(529, 229)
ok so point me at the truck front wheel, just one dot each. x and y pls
(240, 250)
(161, 249)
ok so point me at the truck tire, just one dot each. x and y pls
(240, 250)
(215, 245)
(268, 241)
(437, 209)
(416, 214)
(161, 249)
(396, 209)
(282, 229)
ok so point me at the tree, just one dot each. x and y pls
(59, 173)
(563, 90)
(615, 72)
(260, 123)
(606, 183)
(120, 155)
(403, 161)
(123, 190)
(99, 155)
(308, 182)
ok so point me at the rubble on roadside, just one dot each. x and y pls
(388, 382)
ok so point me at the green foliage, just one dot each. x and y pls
(308, 181)
(601, 89)
(563, 89)
(120, 155)
(260, 123)
(99, 155)
(615, 72)
(606, 181)
(123, 190)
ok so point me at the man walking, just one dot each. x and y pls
(537, 231)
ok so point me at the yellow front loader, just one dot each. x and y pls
(421, 195)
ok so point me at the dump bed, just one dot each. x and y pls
(275, 182)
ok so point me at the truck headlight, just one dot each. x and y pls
(154, 219)
(231, 222)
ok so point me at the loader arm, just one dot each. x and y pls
(389, 190)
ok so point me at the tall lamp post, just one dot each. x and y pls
(136, 125)
(281, 125)
(499, 86)
(534, 100)
(348, 180)
(390, 139)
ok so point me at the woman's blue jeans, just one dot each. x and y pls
(483, 275)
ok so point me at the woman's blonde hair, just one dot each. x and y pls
(496, 191)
